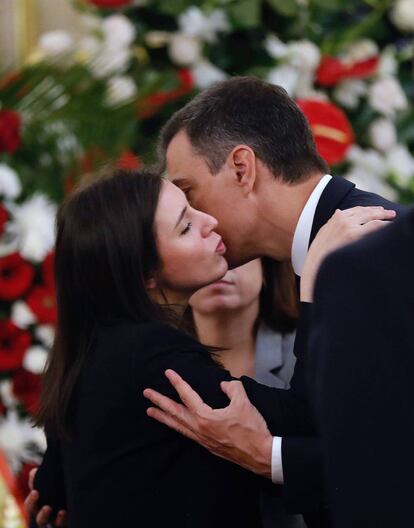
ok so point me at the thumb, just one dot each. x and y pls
(233, 389)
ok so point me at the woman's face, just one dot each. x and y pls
(190, 251)
(238, 289)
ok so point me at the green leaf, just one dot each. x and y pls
(245, 14)
(288, 8)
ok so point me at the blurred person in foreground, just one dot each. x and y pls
(249, 317)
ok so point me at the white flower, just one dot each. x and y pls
(383, 134)
(205, 74)
(184, 50)
(194, 23)
(304, 54)
(402, 14)
(349, 92)
(110, 61)
(369, 182)
(275, 47)
(15, 438)
(388, 65)
(359, 51)
(120, 90)
(401, 164)
(45, 334)
(286, 76)
(118, 31)
(386, 96)
(55, 43)
(91, 23)
(157, 39)
(10, 186)
(35, 359)
(6, 393)
(368, 161)
(21, 315)
(33, 226)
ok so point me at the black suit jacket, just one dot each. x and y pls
(303, 490)
(123, 468)
(362, 362)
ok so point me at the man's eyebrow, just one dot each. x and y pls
(181, 216)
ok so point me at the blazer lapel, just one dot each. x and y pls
(330, 199)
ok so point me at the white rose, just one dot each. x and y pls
(275, 47)
(184, 50)
(401, 164)
(35, 359)
(120, 90)
(386, 96)
(205, 74)
(304, 54)
(56, 43)
(402, 14)
(33, 225)
(383, 134)
(348, 93)
(286, 76)
(10, 186)
(118, 31)
(21, 315)
(45, 334)
(194, 23)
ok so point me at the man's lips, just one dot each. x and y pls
(221, 248)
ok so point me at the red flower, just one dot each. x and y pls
(331, 129)
(13, 344)
(48, 271)
(16, 275)
(332, 70)
(128, 160)
(42, 301)
(109, 4)
(26, 388)
(9, 131)
(4, 216)
(152, 104)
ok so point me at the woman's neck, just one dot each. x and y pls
(234, 332)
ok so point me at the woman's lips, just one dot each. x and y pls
(221, 248)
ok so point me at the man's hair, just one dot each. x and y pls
(246, 110)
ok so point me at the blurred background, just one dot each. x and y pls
(84, 82)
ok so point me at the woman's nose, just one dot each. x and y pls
(209, 224)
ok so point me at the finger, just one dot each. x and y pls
(32, 474)
(355, 210)
(163, 402)
(373, 225)
(368, 214)
(187, 395)
(61, 518)
(43, 517)
(171, 422)
(30, 503)
(234, 390)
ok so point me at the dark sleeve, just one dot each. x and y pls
(49, 481)
(173, 349)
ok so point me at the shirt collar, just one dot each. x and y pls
(300, 244)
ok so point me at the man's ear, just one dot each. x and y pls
(242, 160)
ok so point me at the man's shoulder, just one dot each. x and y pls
(356, 197)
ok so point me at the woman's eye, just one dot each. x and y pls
(187, 228)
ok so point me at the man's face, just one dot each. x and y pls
(217, 195)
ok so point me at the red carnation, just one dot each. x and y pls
(109, 4)
(42, 301)
(9, 131)
(332, 70)
(4, 216)
(13, 344)
(331, 129)
(48, 270)
(26, 388)
(16, 276)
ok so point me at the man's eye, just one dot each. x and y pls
(187, 191)
(187, 228)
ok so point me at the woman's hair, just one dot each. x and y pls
(105, 253)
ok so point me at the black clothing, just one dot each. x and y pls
(362, 362)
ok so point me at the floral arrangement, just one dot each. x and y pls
(79, 103)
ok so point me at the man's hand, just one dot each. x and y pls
(237, 433)
(44, 515)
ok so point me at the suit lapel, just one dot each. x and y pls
(330, 200)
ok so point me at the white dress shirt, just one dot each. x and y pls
(300, 246)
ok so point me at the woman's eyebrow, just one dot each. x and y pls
(181, 216)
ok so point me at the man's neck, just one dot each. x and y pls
(283, 204)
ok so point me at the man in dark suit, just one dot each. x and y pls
(362, 362)
(243, 152)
